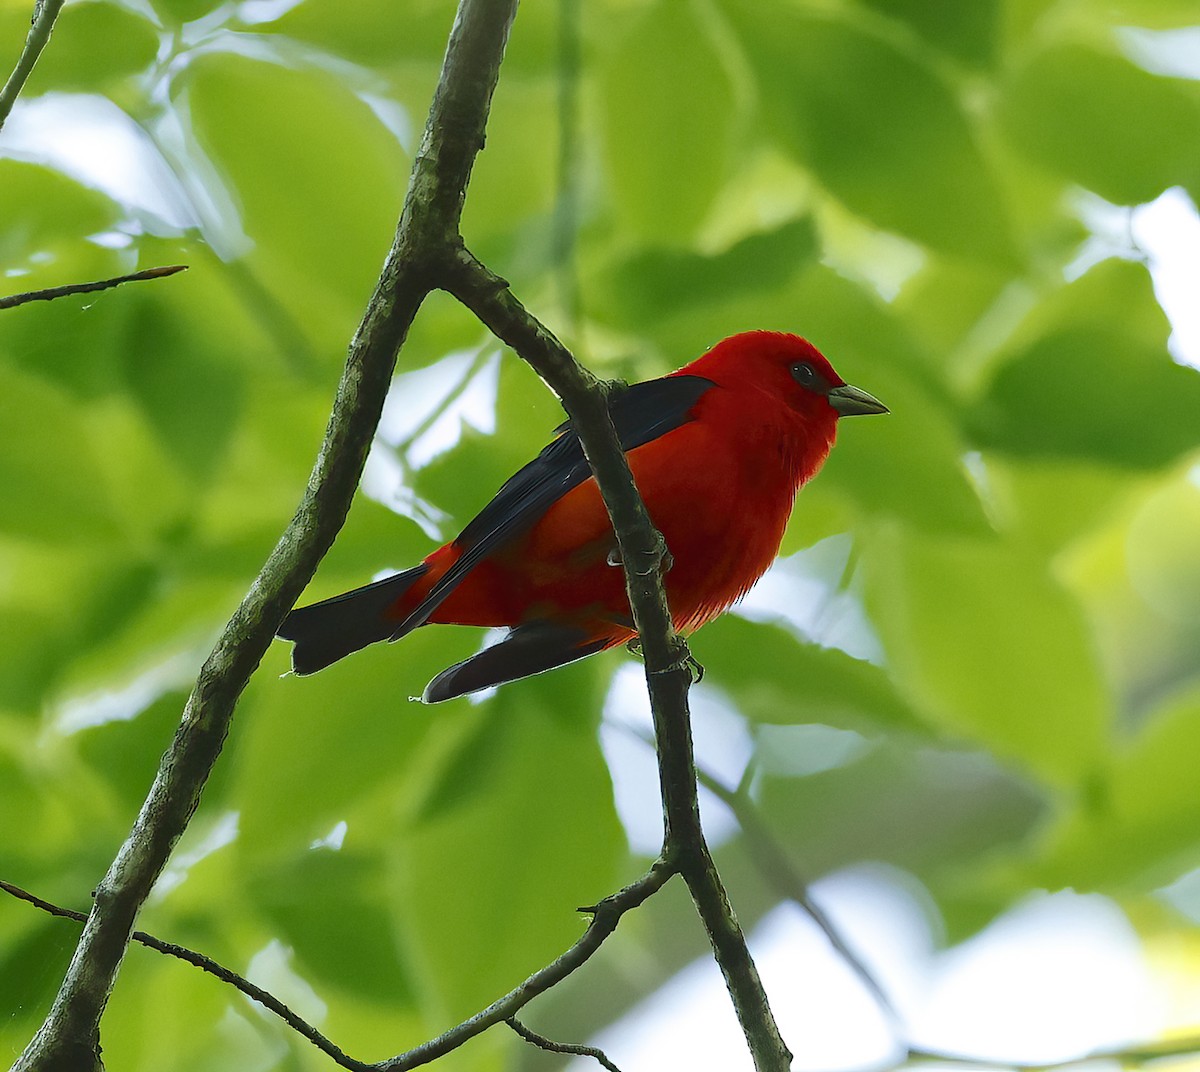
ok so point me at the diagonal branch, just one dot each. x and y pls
(775, 866)
(668, 674)
(206, 964)
(44, 14)
(605, 917)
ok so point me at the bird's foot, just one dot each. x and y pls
(693, 665)
(658, 558)
(612, 388)
(686, 660)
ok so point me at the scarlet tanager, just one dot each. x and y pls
(718, 449)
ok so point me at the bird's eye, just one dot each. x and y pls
(804, 374)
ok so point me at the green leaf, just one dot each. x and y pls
(1113, 295)
(1103, 122)
(331, 908)
(968, 31)
(651, 283)
(668, 113)
(189, 392)
(35, 644)
(358, 31)
(183, 11)
(190, 1025)
(1141, 830)
(878, 128)
(149, 492)
(53, 486)
(1053, 501)
(128, 751)
(930, 811)
(513, 181)
(1157, 14)
(44, 210)
(58, 598)
(981, 640)
(259, 121)
(906, 463)
(462, 480)
(1089, 395)
(315, 749)
(78, 62)
(32, 965)
(486, 890)
(943, 303)
(775, 678)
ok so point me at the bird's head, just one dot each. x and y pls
(786, 367)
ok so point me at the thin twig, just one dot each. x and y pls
(1132, 1056)
(605, 917)
(50, 293)
(775, 865)
(206, 964)
(779, 870)
(773, 862)
(37, 902)
(576, 1050)
(44, 14)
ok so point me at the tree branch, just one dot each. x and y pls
(50, 293)
(206, 964)
(44, 14)
(666, 655)
(1123, 1057)
(774, 864)
(605, 917)
(550, 1046)
(69, 1037)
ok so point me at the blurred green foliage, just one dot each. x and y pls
(907, 182)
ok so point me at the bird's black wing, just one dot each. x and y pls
(640, 413)
(527, 649)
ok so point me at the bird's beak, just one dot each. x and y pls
(851, 401)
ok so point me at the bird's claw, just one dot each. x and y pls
(686, 661)
(657, 559)
(612, 388)
(693, 666)
(660, 558)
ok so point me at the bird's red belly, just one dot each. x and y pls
(722, 524)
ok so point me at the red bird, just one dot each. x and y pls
(718, 449)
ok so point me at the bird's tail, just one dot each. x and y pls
(327, 631)
(526, 650)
